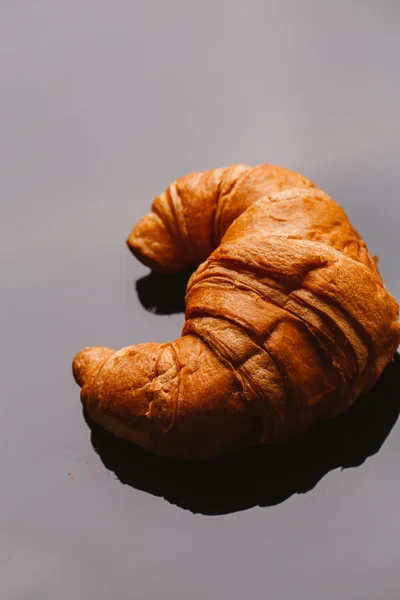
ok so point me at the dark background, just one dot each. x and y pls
(102, 104)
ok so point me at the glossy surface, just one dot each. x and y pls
(99, 110)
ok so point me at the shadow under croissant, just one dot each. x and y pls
(163, 294)
(262, 476)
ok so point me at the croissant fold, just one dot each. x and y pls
(287, 318)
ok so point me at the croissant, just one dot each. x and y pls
(287, 318)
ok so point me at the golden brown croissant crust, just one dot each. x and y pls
(287, 318)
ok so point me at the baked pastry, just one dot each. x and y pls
(287, 318)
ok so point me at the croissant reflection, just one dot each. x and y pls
(287, 322)
(163, 294)
(261, 476)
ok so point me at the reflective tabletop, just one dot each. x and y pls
(101, 106)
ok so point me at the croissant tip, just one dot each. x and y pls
(87, 360)
(130, 240)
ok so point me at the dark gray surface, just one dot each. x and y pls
(101, 105)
